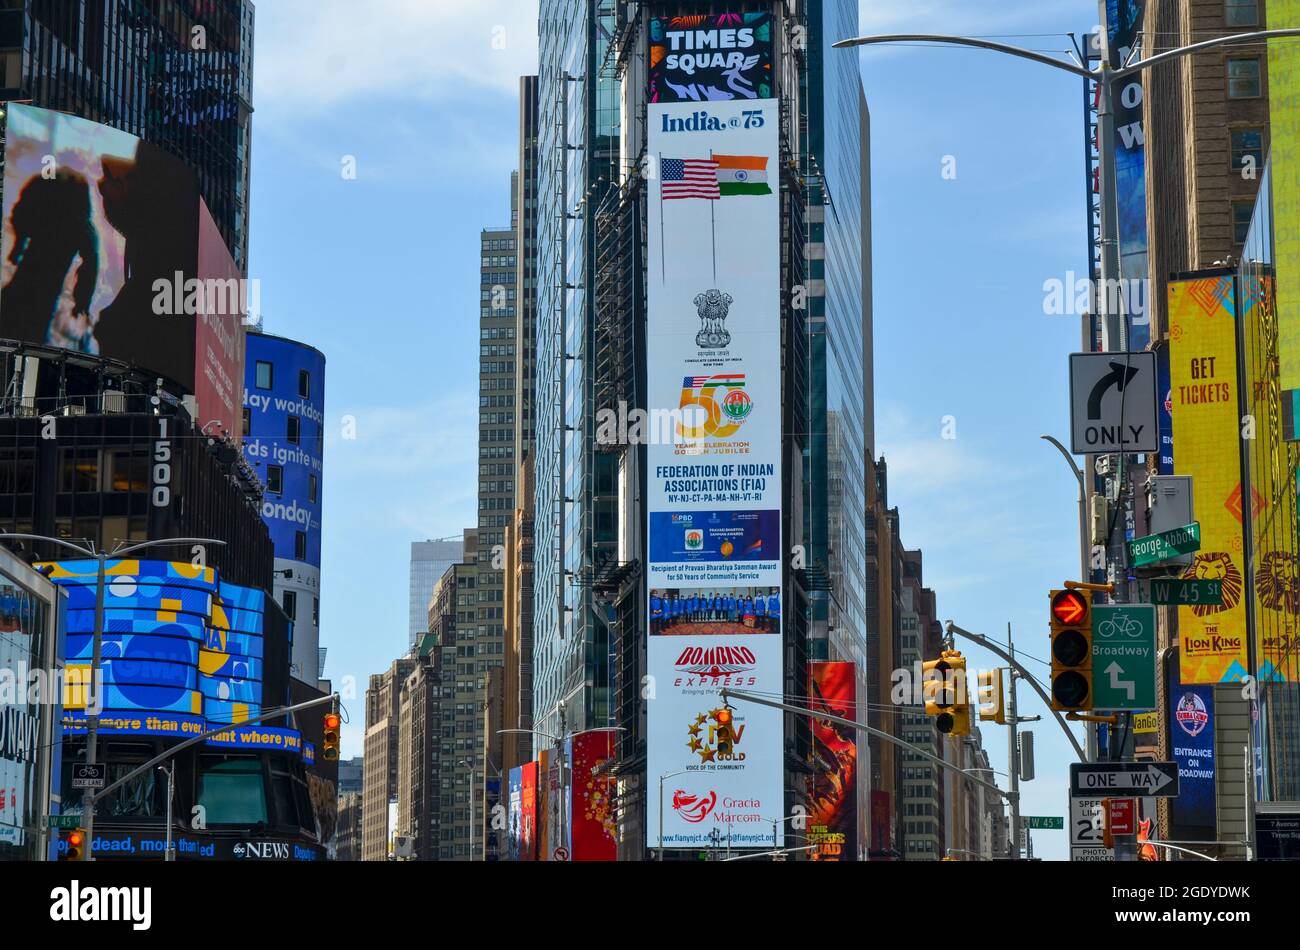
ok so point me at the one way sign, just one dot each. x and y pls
(1113, 403)
(1124, 779)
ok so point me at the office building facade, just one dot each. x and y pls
(429, 561)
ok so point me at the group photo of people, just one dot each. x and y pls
(734, 610)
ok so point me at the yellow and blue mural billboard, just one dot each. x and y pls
(182, 651)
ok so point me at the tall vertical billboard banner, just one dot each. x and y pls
(833, 785)
(1203, 387)
(1191, 745)
(1125, 20)
(1284, 161)
(714, 460)
(593, 829)
(1274, 538)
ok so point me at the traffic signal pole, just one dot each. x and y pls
(1013, 752)
(998, 651)
(730, 694)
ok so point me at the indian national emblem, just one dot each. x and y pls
(713, 306)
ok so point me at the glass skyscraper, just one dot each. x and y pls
(589, 624)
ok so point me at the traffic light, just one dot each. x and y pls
(945, 699)
(992, 706)
(74, 843)
(724, 733)
(1071, 649)
(330, 753)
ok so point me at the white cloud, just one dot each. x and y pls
(317, 55)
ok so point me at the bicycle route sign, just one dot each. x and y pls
(1124, 656)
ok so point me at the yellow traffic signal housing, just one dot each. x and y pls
(944, 685)
(992, 704)
(961, 719)
(74, 843)
(333, 723)
(724, 733)
(1071, 623)
(935, 683)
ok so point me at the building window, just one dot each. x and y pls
(79, 470)
(294, 434)
(1247, 149)
(265, 374)
(315, 611)
(248, 422)
(290, 604)
(300, 545)
(304, 384)
(275, 479)
(231, 791)
(311, 489)
(1243, 78)
(1241, 214)
(1241, 12)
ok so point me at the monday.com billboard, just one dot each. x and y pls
(714, 496)
(284, 396)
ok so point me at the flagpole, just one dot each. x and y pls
(663, 261)
(713, 229)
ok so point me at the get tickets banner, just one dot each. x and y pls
(1203, 390)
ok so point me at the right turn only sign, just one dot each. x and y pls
(1113, 403)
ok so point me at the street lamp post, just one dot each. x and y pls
(170, 769)
(666, 775)
(94, 700)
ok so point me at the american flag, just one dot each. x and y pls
(689, 178)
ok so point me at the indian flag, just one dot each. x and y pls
(742, 175)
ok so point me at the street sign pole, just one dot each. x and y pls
(1013, 750)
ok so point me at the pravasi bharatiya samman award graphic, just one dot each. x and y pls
(1203, 389)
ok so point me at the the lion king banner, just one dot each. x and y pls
(1203, 390)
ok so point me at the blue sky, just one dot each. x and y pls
(380, 273)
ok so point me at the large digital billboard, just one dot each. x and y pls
(833, 784)
(284, 396)
(103, 254)
(714, 463)
(181, 651)
(711, 57)
(1203, 390)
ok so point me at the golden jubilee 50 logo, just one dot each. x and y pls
(713, 406)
